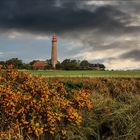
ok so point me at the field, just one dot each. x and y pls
(77, 107)
(85, 73)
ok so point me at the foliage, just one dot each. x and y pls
(84, 64)
(116, 113)
(72, 64)
(69, 64)
(71, 85)
(32, 107)
(15, 62)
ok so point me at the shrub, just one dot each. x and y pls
(32, 107)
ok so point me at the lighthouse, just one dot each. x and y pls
(54, 51)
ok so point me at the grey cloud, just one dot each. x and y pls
(43, 16)
(92, 25)
(134, 54)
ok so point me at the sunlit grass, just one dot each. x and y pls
(85, 73)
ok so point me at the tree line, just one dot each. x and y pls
(67, 64)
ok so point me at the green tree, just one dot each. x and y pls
(102, 66)
(69, 64)
(2, 64)
(15, 62)
(84, 64)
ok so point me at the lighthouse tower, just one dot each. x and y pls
(54, 51)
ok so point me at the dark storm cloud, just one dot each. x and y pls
(134, 54)
(45, 16)
(107, 27)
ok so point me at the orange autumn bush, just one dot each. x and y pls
(37, 107)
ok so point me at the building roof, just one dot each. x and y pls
(40, 64)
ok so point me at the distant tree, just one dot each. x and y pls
(102, 66)
(49, 61)
(49, 66)
(66, 64)
(15, 62)
(28, 67)
(75, 64)
(84, 64)
(2, 63)
(58, 65)
(69, 64)
(96, 66)
(33, 61)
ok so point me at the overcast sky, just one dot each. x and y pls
(105, 32)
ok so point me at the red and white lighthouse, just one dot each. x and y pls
(54, 51)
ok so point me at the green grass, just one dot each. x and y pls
(85, 73)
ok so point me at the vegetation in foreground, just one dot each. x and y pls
(34, 108)
(71, 109)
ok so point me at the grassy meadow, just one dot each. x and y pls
(85, 73)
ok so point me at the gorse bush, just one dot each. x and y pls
(30, 107)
